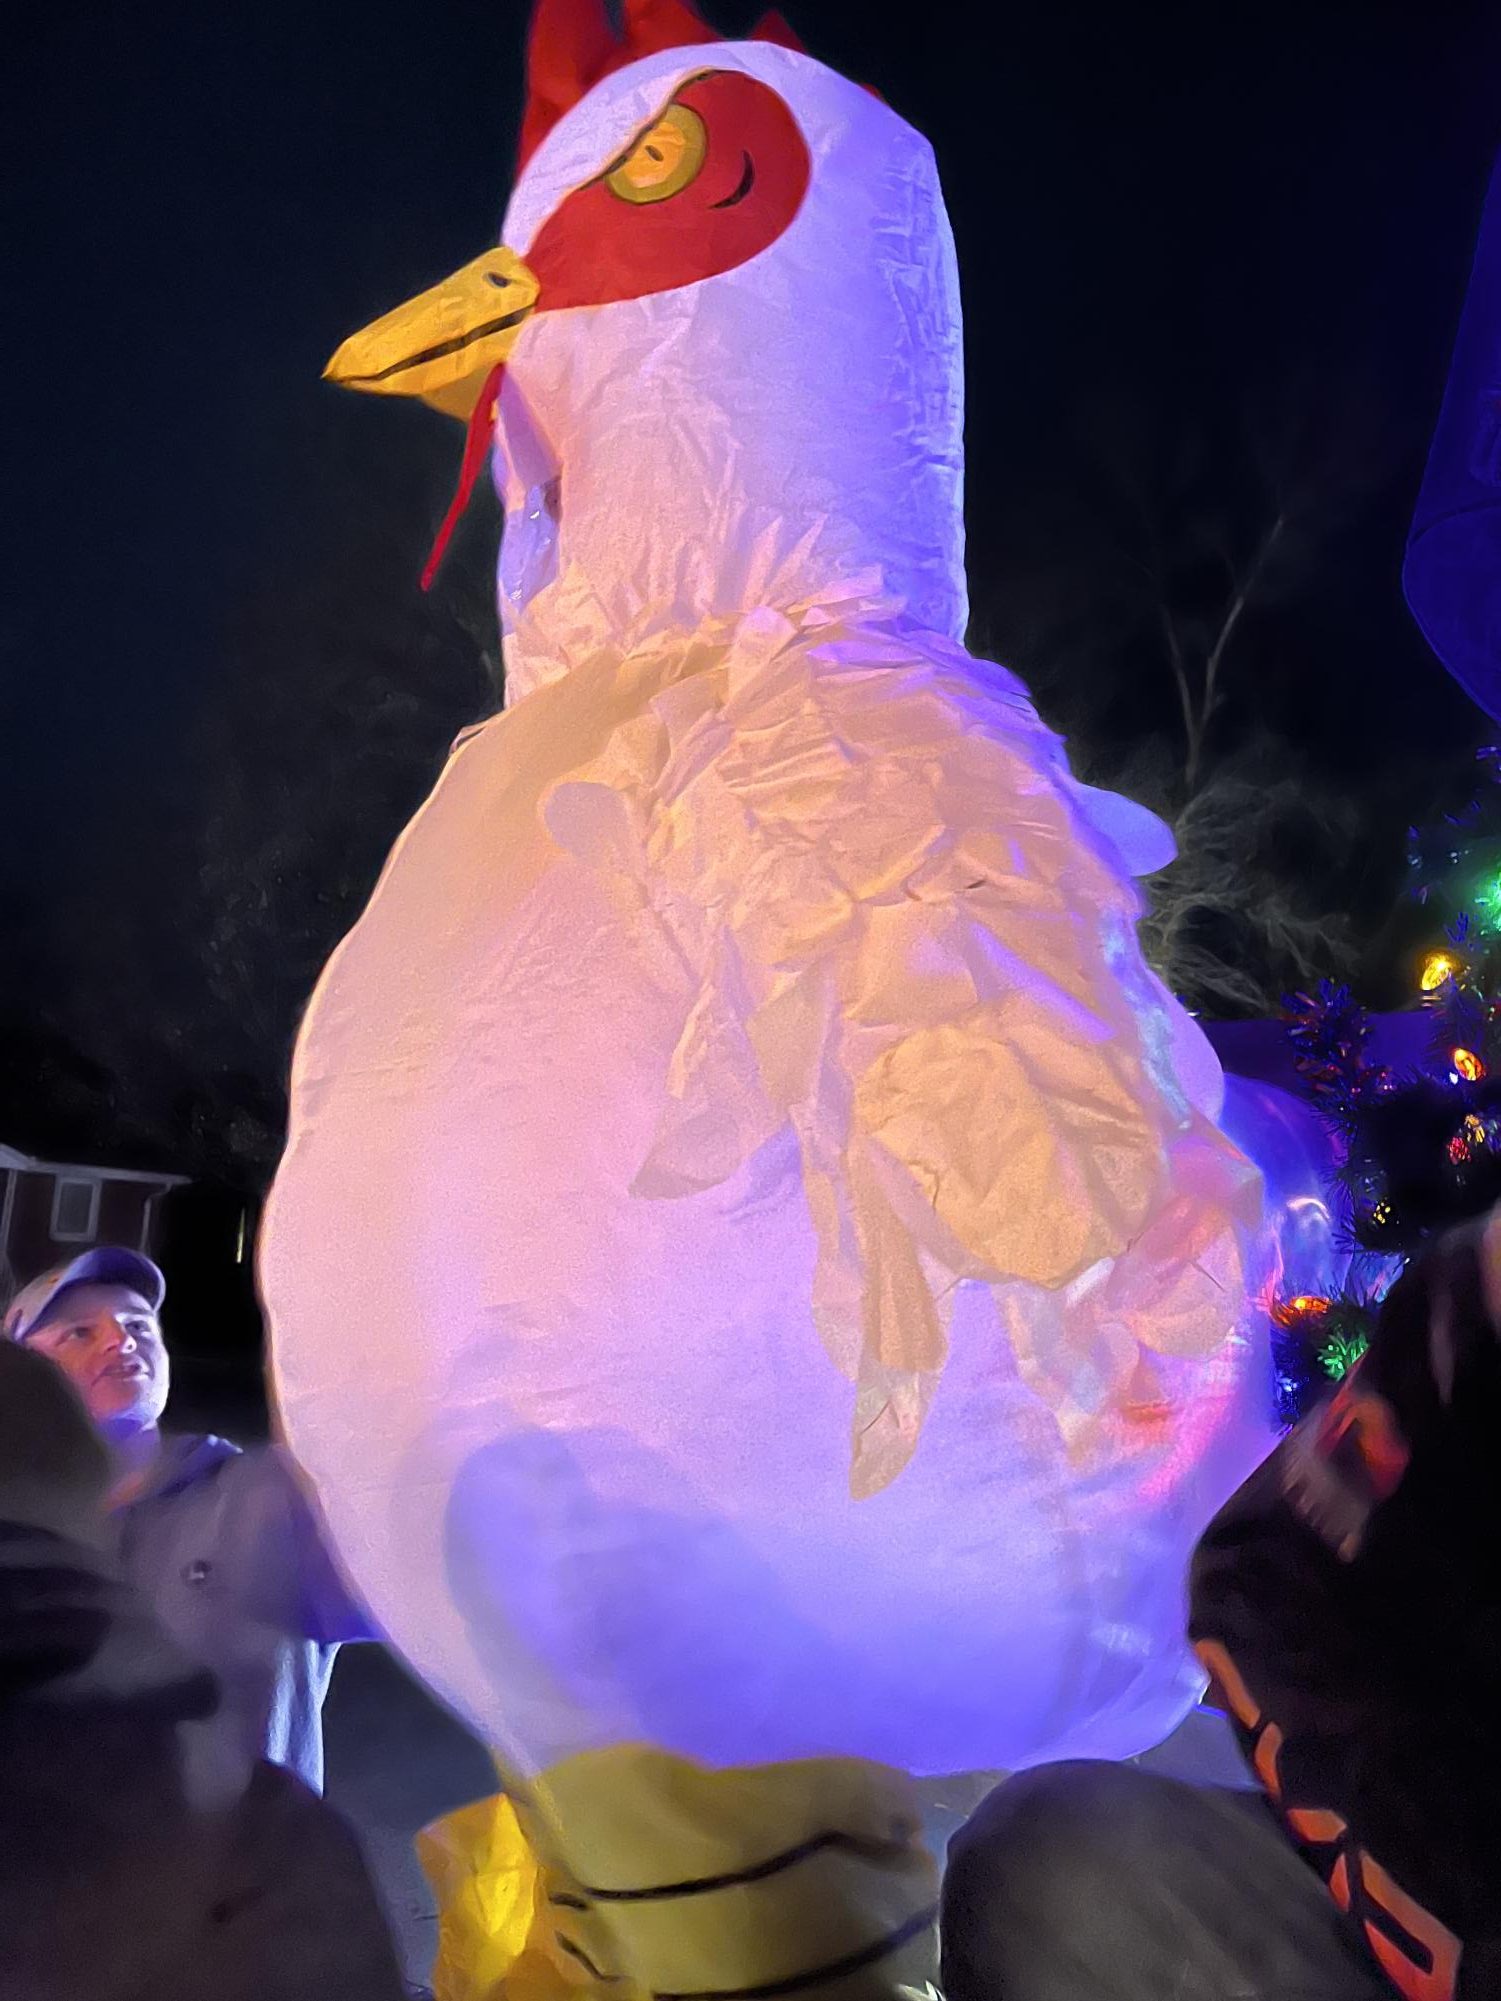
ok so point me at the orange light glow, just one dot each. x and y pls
(1303, 1306)
(1468, 1065)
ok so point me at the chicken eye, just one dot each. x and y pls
(664, 161)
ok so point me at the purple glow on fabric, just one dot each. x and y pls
(1299, 1248)
(1452, 576)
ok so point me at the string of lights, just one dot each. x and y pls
(1421, 1150)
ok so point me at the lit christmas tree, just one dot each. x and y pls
(1421, 1150)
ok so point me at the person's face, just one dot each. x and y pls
(108, 1343)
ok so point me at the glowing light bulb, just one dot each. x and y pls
(1468, 1065)
(1304, 1306)
(1438, 968)
(1340, 1353)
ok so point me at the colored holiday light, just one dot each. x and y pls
(1438, 969)
(1340, 1352)
(1291, 1313)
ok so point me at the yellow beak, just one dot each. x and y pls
(443, 345)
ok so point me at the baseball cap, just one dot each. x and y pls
(105, 1264)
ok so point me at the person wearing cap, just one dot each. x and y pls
(223, 1544)
(119, 1878)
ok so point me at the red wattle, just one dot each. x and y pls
(476, 451)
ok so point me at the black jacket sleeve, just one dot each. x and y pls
(1348, 1603)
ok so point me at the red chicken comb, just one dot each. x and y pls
(573, 44)
(773, 27)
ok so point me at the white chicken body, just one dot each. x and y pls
(754, 1271)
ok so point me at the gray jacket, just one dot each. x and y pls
(116, 1883)
(229, 1552)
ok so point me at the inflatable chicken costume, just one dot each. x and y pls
(755, 1276)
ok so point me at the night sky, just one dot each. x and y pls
(1154, 205)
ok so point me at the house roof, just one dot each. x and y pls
(12, 1161)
